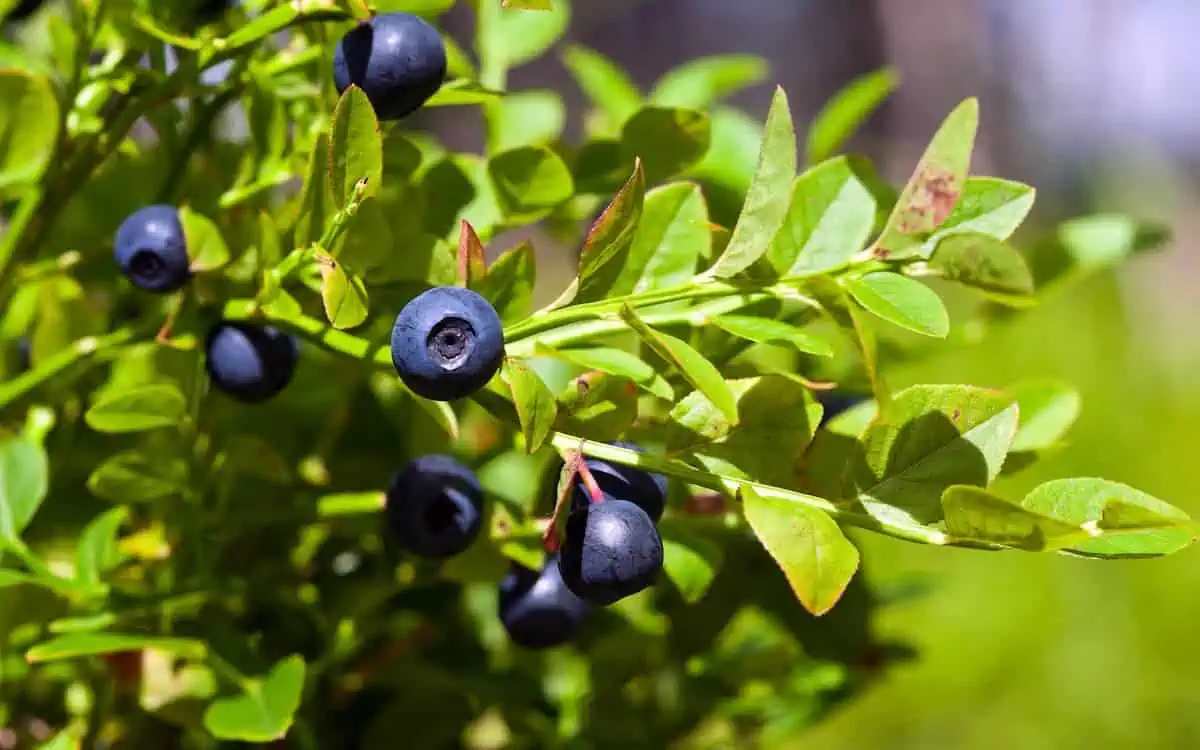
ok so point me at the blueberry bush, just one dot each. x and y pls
(294, 450)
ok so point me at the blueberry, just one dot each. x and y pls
(397, 59)
(435, 506)
(447, 343)
(647, 491)
(611, 550)
(249, 362)
(836, 402)
(151, 249)
(24, 9)
(24, 354)
(537, 609)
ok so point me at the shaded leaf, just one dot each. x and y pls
(984, 263)
(509, 283)
(316, 201)
(24, 481)
(845, 113)
(599, 406)
(974, 513)
(530, 179)
(75, 645)
(266, 708)
(903, 301)
(699, 83)
(691, 558)
(143, 408)
(135, 477)
(767, 199)
(768, 331)
(813, 553)
(97, 551)
(615, 362)
(667, 141)
(536, 407)
(206, 247)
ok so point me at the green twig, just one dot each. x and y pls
(83, 350)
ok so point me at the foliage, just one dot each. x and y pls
(183, 570)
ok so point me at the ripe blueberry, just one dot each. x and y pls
(610, 551)
(249, 362)
(24, 354)
(397, 59)
(447, 343)
(646, 490)
(537, 609)
(151, 249)
(435, 506)
(24, 9)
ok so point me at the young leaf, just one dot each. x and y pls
(76, 645)
(603, 82)
(536, 407)
(206, 247)
(934, 436)
(97, 552)
(692, 365)
(777, 419)
(691, 558)
(935, 187)
(29, 122)
(510, 39)
(845, 113)
(614, 362)
(974, 513)
(989, 206)
(265, 710)
(316, 201)
(24, 480)
(767, 199)
(472, 267)
(667, 141)
(608, 243)
(509, 283)
(829, 220)
(699, 83)
(672, 235)
(1160, 528)
(768, 331)
(1048, 409)
(530, 180)
(984, 263)
(525, 118)
(898, 299)
(344, 295)
(461, 92)
(355, 148)
(143, 408)
(135, 477)
(813, 553)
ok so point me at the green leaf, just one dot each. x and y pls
(527, 4)
(368, 243)
(28, 126)
(845, 113)
(603, 82)
(143, 408)
(461, 92)
(974, 513)
(97, 551)
(135, 477)
(355, 147)
(607, 244)
(598, 406)
(206, 247)
(691, 558)
(424, 8)
(536, 407)
(935, 187)
(509, 283)
(530, 180)
(1090, 243)
(265, 710)
(511, 39)
(316, 201)
(344, 295)
(76, 645)
(698, 84)
(767, 199)
(813, 553)
(525, 118)
(767, 331)
(666, 140)
(692, 365)
(672, 235)
(989, 206)
(1048, 410)
(828, 222)
(984, 263)
(1139, 525)
(777, 417)
(24, 481)
(906, 302)
(932, 437)
(614, 362)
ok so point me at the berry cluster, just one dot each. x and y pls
(446, 344)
